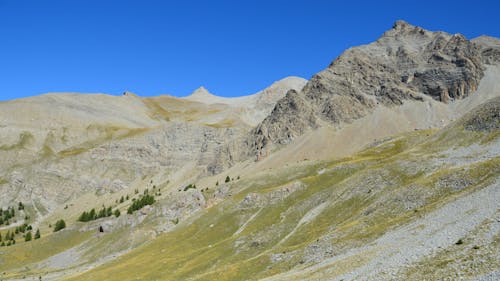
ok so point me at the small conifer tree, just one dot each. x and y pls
(27, 237)
(60, 224)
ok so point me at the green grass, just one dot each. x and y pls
(17, 259)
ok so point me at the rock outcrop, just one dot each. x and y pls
(406, 63)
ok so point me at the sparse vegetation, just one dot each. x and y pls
(190, 186)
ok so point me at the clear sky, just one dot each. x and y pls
(232, 47)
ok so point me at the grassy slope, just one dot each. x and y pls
(362, 197)
(28, 253)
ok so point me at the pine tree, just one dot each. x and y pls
(27, 237)
(37, 234)
(84, 217)
(60, 224)
(121, 199)
(117, 213)
(227, 179)
(92, 215)
(102, 213)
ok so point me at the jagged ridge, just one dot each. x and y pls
(406, 63)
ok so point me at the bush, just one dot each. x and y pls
(189, 187)
(117, 213)
(227, 179)
(60, 224)
(27, 237)
(37, 234)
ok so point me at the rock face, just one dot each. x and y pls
(406, 63)
(57, 147)
(490, 49)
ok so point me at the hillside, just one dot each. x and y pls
(383, 166)
(314, 222)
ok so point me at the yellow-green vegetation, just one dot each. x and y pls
(103, 134)
(297, 214)
(226, 123)
(28, 253)
(25, 138)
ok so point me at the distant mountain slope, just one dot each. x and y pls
(406, 63)
(254, 108)
(115, 139)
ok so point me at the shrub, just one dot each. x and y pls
(60, 224)
(227, 179)
(37, 234)
(189, 186)
(27, 237)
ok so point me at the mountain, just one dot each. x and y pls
(407, 63)
(254, 108)
(383, 166)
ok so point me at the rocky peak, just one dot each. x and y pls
(405, 63)
(201, 92)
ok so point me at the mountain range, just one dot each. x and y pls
(383, 166)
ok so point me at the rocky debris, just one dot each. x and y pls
(484, 118)
(406, 63)
(176, 207)
(490, 49)
(253, 200)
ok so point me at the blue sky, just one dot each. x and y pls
(232, 48)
